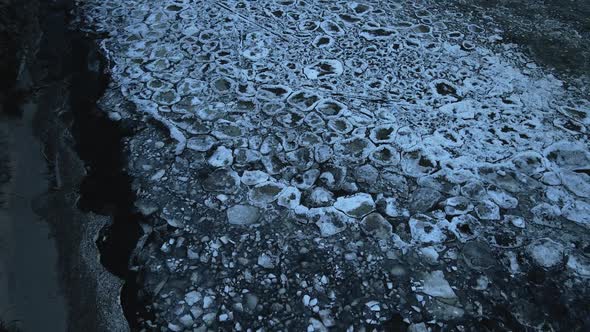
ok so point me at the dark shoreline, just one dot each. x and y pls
(63, 84)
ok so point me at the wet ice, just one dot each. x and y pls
(348, 136)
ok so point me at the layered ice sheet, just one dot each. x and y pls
(323, 162)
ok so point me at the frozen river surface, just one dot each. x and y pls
(315, 165)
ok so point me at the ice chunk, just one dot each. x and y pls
(373, 306)
(265, 193)
(200, 143)
(243, 156)
(340, 125)
(289, 197)
(356, 206)
(393, 208)
(321, 197)
(419, 327)
(503, 199)
(323, 153)
(487, 210)
(274, 163)
(209, 113)
(383, 134)
(270, 144)
(529, 162)
(546, 253)
(333, 177)
(516, 221)
(330, 108)
(378, 33)
(465, 227)
(356, 148)
(366, 174)
(222, 85)
(436, 285)
(374, 224)
(424, 231)
(323, 41)
(227, 130)
(478, 255)
(429, 253)
(323, 69)
(306, 299)
(304, 100)
(407, 138)
(578, 183)
(577, 114)
(209, 318)
(423, 199)
(385, 155)
(115, 116)
(177, 135)
(158, 175)
(266, 261)
(546, 214)
(458, 205)
(315, 121)
(580, 265)
(301, 158)
(222, 157)
(308, 139)
(418, 163)
(306, 180)
(551, 179)
(174, 328)
(186, 320)
(242, 215)
(166, 97)
(473, 190)
(331, 28)
(222, 180)
(255, 53)
(251, 178)
(331, 223)
(578, 212)
(273, 92)
(192, 297)
(443, 311)
(568, 155)
(464, 109)
(359, 8)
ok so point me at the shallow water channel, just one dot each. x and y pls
(30, 290)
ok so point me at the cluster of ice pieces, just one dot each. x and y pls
(390, 126)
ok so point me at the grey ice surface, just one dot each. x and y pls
(316, 165)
